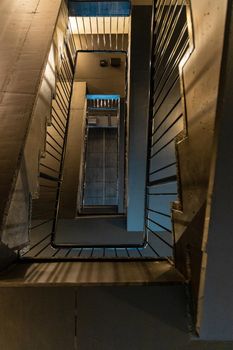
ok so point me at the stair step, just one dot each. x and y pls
(91, 273)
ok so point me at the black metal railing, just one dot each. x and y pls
(45, 208)
(98, 106)
(101, 33)
(170, 43)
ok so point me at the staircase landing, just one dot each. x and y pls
(90, 273)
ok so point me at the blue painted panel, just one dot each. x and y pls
(103, 97)
(102, 9)
(161, 203)
(162, 220)
(170, 187)
(161, 248)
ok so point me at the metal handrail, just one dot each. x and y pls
(59, 126)
(61, 123)
(61, 118)
(170, 43)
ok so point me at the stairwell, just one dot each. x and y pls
(57, 292)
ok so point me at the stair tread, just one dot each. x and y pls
(91, 273)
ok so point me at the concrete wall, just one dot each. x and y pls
(122, 160)
(215, 317)
(99, 318)
(22, 65)
(138, 115)
(201, 76)
(74, 152)
(101, 80)
(16, 230)
(26, 35)
(42, 114)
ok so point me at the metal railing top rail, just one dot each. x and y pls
(60, 122)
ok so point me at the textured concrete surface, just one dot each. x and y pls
(37, 319)
(16, 231)
(216, 295)
(74, 153)
(90, 273)
(138, 115)
(97, 318)
(133, 318)
(26, 35)
(35, 143)
(93, 230)
(201, 78)
(101, 80)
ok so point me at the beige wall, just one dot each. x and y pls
(101, 80)
(74, 152)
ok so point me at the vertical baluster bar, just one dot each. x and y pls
(123, 35)
(110, 35)
(117, 33)
(84, 31)
(104, 32)
(79, 35)
(98, 35)
(92, 38)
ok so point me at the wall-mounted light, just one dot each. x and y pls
(103, 63)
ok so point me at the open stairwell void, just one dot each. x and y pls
(81, 205)
(114, 115)
(79, 202)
